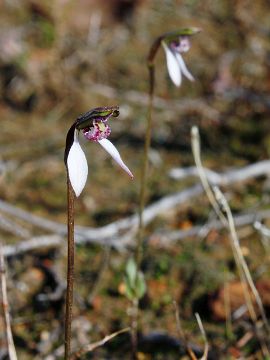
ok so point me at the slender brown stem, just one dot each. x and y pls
(134, 328)
(70, 267)
(153, 51)
(147, 143)
(139, 249)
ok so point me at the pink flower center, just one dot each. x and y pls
(181, 45)
(100, 130)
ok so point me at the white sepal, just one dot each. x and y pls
(111, 149)
(77, 166)
(183, 67)
(172, 65)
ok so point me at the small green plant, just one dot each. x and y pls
(135, 286)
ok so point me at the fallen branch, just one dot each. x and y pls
(164, 238)
(120, 233)
(261, 168)
(169, 237)
(13, 228)
(108, 233)
(39, 242)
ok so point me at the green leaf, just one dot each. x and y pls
(131, 271)
(140, 285)
(129, 291)
(135, 286)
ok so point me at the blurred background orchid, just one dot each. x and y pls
(174, 47)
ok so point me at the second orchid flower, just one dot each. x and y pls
(174, 43)
(175, 62)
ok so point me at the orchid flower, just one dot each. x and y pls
(175, 62)
(95, 128)
(174, 44)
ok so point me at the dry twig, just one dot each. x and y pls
(121, 232)
(96, 344)
(220, 205)
(206, 346)
(5, 307)
(181, 333)
(239, 255)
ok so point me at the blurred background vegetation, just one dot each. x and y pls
(61, 58)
